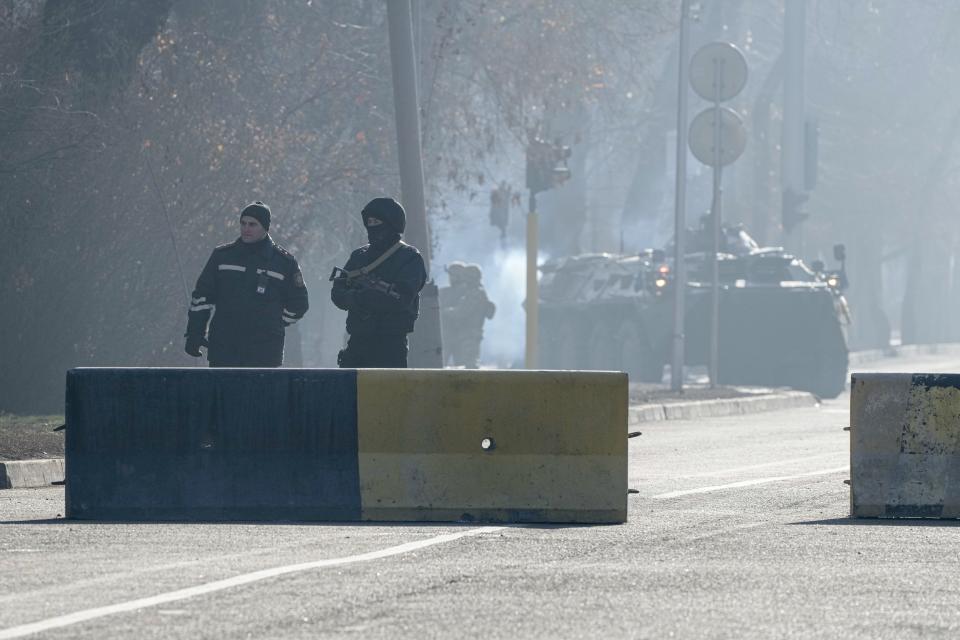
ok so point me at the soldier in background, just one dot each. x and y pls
(464, 307)
(733, 238)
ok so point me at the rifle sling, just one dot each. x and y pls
(362, 271)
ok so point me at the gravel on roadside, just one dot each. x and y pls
(30, 437)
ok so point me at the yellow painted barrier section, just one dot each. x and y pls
(556, 445)
(905, 445)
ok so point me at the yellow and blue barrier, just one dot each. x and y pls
(905, 445)
(346, 445)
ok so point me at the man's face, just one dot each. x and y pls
(251, 230)
(378, 232)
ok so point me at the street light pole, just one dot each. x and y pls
(680, 218)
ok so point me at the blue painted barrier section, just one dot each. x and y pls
(205, 444)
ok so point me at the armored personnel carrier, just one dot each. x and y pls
(781, 323)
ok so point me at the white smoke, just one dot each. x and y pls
(469, 237)
(505, 281)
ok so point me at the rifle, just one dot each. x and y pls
(359, 280)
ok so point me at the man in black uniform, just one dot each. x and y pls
(379, 288)
(257, 290)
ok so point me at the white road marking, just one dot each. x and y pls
(54, 591)
(778, 463)
(228, 583)
(745, 483)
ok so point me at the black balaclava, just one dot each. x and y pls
(260, 212)
(394, 221)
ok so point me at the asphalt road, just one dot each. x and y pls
(740, 530)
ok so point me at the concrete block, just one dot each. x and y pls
(558, 454)
(211, 444)
(905, 445)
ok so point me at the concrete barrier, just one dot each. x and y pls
(556, 445)
(905, 445)
(346, 445)
(30, 474)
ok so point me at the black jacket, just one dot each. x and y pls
(257, 291)
(370, 311)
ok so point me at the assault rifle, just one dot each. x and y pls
(359, 280)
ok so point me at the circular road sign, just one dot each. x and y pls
(718, 71)
(733, 136)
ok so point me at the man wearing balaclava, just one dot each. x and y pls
(256, 290)
(379, 288)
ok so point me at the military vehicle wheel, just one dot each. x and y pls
(636, 357)
(831, 375)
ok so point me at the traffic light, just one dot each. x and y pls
(546, 165)
(792, 214)
(560, 172)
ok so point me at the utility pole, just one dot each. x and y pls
(532, 303)
(425, 342)
(792, 180)
(546, 169)
(680, 203)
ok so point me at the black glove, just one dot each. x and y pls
(193, 345)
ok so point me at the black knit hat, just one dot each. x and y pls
(259, 211)
(388, 210)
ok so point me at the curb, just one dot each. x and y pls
(722, 407)
(30, 474)
(871, 355)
